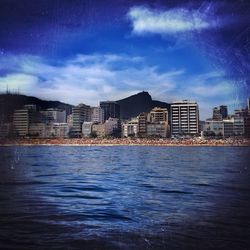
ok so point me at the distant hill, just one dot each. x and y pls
(10, 102)
(138, 103)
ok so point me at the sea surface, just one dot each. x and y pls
(124, 197)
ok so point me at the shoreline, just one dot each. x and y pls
(195, 142)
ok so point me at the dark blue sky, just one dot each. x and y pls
(87, 51)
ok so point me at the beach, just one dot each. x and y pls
(126, 142)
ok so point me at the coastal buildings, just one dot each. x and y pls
(110, 109)
(152, 124)
(87, 129)
(228, 125)
(158, 115)
(60, 130)
(217, 116)
(160, 129)
(80, 114)
(97, 115)
(99, 130)
(184, 118)
(223, 111)
(220, 113)
(21, 121)
(53, 115)
(130, 128)
(86, 121)
(142, 125)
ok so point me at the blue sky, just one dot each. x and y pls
(87, 51)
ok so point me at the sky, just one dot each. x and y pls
(80, 51)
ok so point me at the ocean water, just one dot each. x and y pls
(124, 197)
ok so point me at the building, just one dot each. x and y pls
(110, 109)
(245, 114)
(217, 116)
(97, 115)
(213, 128)
(238, 125)
(112, 127)
(60, 130)
(228, 127)
(223, 111)
(142, 125)
(87, 129)
(21, 121)
(99, 130)
(53, 115)
(160, 129)
(109, 128)
(80, 114)
(130, 128)
(5, 129)
(184, 118)
(40, 130)
(158, 115)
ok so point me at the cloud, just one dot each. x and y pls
(85, 78)
(92, 78)
(177, 20)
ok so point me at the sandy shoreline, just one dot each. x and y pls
(127, 142)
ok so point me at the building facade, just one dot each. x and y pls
(142, 124)
(184, 118)
(21, 121)
(80, 114)
(160, 129)
(87, 129)
(130, 128)
(52, 115)
(97, 115)
(158, 115)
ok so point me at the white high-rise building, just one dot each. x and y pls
(21, 121)
(184, 118)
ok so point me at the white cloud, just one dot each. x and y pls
(90, 79)
(86, 78)
(146, 20)
(18, 81)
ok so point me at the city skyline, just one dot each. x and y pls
(84, 52)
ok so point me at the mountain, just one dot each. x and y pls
(129, 107)
(138, 103)
(10, 102)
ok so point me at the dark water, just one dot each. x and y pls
(124, 197)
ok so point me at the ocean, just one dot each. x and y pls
(124, 197)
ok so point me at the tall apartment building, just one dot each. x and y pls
(158, 115)
(80, 114)
(142, 124)
(111, 109)
(23, 118)
(223, 111)
(185, 118)
(217, 116)
(97, 115)
(21, 121)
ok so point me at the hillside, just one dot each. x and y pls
(138, 103)
(10, 102)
